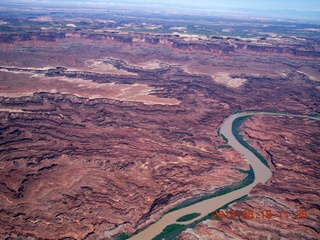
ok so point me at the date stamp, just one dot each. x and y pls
(266, 214)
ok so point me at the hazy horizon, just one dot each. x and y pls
(296, 5)
(296, 9)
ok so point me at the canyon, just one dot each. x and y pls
(292, 193)
(103, 131)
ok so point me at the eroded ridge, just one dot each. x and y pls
(73, 166)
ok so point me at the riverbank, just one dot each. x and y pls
(261, 171)
(204, 207)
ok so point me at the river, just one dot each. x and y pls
(262, 174)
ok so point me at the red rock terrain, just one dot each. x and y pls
(291, 147)
(81, 159)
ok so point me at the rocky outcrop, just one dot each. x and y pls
(215, 45)
(46, 37)
(264, 49)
